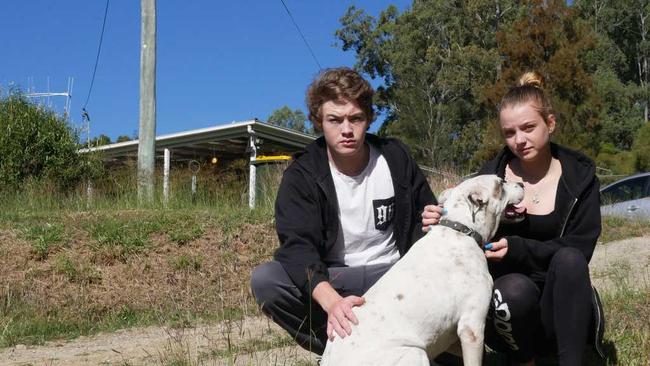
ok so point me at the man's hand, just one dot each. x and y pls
(338, 309)
(497, 250)
(431, 216)
(340, 315)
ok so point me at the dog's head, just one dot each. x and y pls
(480, 202)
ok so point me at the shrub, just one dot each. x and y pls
(36, 143)
(641, 148)
(618, 161)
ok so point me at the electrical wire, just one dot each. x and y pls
(99, 50)
(301, 35)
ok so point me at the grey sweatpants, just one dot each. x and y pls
(298, 313)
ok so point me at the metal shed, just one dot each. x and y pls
(253, 139)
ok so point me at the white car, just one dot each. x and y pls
(628, 197)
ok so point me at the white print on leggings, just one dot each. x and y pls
(502, 320)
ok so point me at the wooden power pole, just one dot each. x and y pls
(147, 134)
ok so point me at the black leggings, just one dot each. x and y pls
(528, 318)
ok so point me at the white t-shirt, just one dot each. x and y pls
(366, 215)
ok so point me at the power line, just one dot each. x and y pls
(301, 35)
(99, 50)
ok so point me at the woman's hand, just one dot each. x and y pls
(431, 216)
(495, 251)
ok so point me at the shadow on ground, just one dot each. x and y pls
(500, 359)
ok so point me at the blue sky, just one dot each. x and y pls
(218, 61)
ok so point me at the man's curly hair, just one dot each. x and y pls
(338, 84)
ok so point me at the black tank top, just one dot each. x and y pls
(538, 227)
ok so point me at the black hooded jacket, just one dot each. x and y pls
(578, 205)
(306, 208)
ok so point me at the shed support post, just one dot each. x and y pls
(252, 169)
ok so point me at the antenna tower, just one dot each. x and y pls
(46, 95)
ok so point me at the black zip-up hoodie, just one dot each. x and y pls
(578, 207)
(306, 208)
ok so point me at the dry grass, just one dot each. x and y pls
(617, 228)
(441, 179)
(90, 283)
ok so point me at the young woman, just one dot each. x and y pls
(543, 301)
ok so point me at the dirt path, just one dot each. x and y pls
(625, 260)
(206, 345)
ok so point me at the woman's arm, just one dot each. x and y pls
(581, 232)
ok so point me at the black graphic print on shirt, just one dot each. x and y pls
(384, 211)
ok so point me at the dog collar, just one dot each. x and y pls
(463, 229)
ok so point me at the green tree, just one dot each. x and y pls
(123, 138)
(546, 37)
(620, 114)
(627, 24)
(445, 65)
(36, 143)
(285, 117)
(615, 76)
(100, 140)
(617, 161)
(434, 60)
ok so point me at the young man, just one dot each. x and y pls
(347, 209)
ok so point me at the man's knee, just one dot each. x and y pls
(266, 281)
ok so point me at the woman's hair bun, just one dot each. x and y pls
(532, 78)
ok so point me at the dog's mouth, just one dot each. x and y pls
(514, 212)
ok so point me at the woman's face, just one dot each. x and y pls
(525, 131)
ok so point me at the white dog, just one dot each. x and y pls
(439, 293)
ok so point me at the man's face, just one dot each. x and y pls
(344, 126)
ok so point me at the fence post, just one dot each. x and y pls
(166, 177)
(194, 167)
(89, 194)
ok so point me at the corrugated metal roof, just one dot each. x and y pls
(226, 141)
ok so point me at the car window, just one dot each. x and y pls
(631, 189)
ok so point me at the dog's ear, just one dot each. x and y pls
(478, 197)
(444, 195)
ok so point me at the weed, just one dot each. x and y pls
(76, 272)
(184, 231)
(43, 238)
(64, 265)
(187, 262)
(114, 232)
(131, 236)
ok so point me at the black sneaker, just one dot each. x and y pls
(597, 323)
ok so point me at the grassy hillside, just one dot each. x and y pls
(68, 270)
(67, 274)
